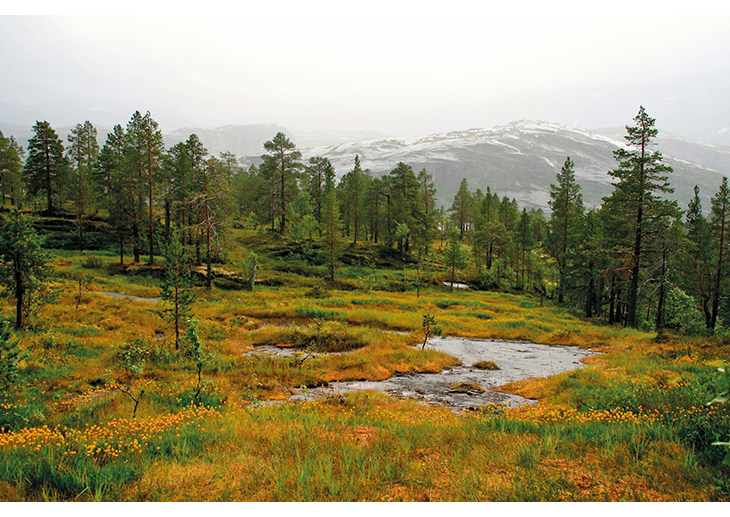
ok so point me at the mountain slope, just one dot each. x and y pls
(517, 160)
(706, 154)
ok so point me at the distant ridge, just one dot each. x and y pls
(521, 160)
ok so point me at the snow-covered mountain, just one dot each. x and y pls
(519, 160)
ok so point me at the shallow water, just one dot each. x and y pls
(517, 360)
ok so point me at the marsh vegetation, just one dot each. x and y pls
(631, 424)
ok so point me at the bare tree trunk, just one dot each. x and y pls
(253, 274)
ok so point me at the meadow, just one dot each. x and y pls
(81, 424)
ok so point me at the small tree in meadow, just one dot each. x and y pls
(196, 351)
(430, 328)
(177, 287)
(132, 358)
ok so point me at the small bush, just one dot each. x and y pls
(466, 387)
(486, 365)
(92, 263)
(317, 292)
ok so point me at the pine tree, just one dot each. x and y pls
(641, 177)
(590, 262)
(46, 168)
(212, 201)
(282, 162)
(23, 270)
(332, 231)
(699, 251)
(352, 187)
(11, 355)
(377, 202)
(665, 241)
(11, 169)
(176, 291)
(403, 203)
(320, 176)
(721, 226)
(567, 208)
(461, 207)
(423, 230)
(146, 149)
(523, 236)
(84, 153)
(456, 255)
(120, 188)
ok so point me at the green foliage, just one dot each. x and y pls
(332, 231)
(430, 329)
(637, 202)
(456, 255)
(567, 210)
(11, 354)
(281, 163)
(721, 398)
(249, 271)
(682, 314)
(46, 167)
(199, 354)
(133, 357)
(176, 293)
(11, 166)
(24, 270)
(92, 263)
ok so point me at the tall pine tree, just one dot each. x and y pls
(46, 168)
(84, 153)
(282, 161)
(566, 203)
(641, 179)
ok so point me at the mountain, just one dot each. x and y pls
(241, 140)
(248, 140)
(519, 160)
(710, 155)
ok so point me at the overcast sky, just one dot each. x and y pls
(402, 75)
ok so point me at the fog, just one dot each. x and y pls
(401, 75)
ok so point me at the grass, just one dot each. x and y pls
(633, 425)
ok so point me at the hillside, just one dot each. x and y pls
(520, 160)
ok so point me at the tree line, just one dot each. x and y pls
(637, 260)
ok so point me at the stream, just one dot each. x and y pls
(466, 387)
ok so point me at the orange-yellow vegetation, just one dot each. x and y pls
(365, 446)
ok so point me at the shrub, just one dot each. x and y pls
(92, 263)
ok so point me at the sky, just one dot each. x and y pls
(399, 71)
